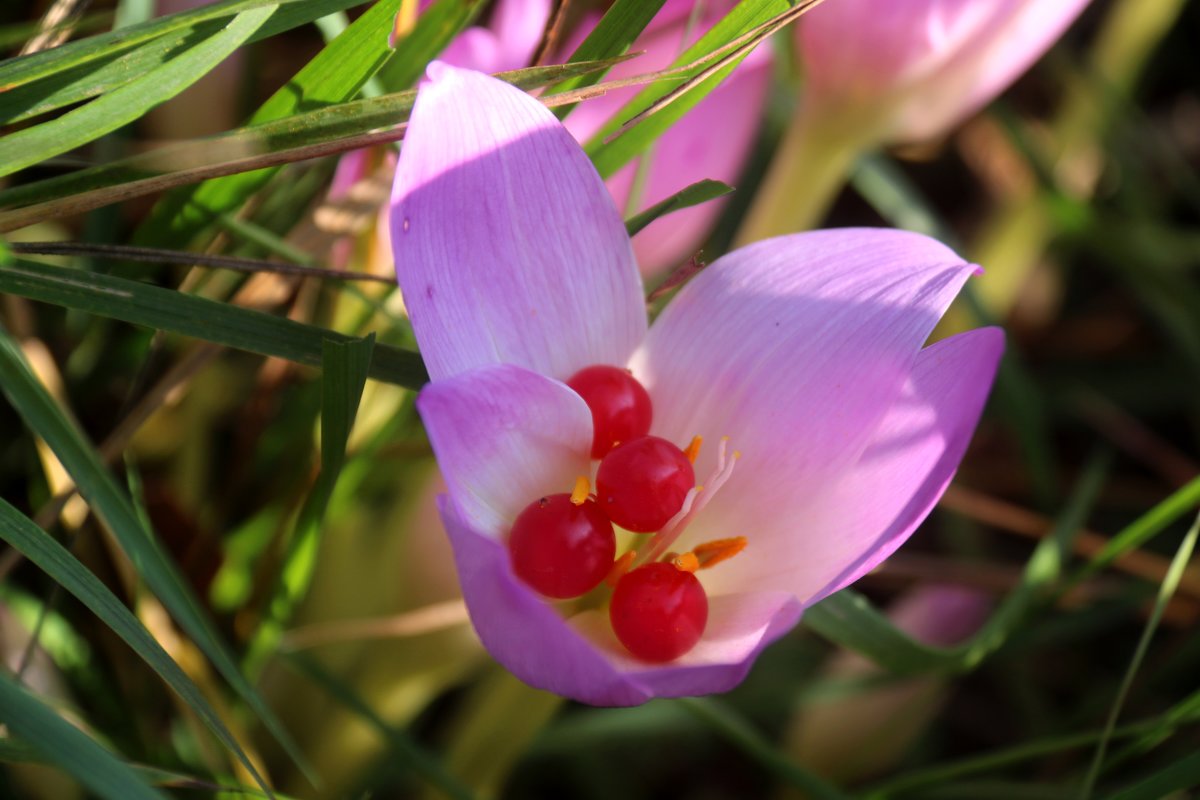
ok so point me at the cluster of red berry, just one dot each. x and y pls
(564, 545)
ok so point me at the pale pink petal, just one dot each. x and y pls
(795, 348)
(475, 48)
(941, 614)
(815, 547)
(923, 65)
(508, 247)
(518, 25)
(579, 658)
(503, 437)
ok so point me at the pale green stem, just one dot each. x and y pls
(808, 170)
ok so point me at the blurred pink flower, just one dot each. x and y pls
(804, 350)
(911, 70)
(689, 152)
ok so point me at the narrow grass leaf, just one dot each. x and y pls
(57, 562)
(401, 744)
(694, 195)
(200, 318)
(63, 744)
(109, 112)
(108, 69)
(81, 461)
(1182, 774)
(1166, 590)
(612, 36)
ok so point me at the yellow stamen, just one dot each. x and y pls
(582, 489)
(686, 562)
(693, 449)
(619, 568)
(712, 553)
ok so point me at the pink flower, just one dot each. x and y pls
(912, 70)
(805, 351)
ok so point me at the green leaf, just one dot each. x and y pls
(1183, 774)
(694, 195)
(175, 165)
(76, 79)
(57, 562)
(68, 747)
(848, 619)
(333, 76)
(401, 745)
(220, 323)
(43, 416)
(609, 156)
(612, 36)
(111, 111)
(1165, 592)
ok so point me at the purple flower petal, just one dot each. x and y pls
(795, 348)
(505, 436)
(819, 546)
(508, 247)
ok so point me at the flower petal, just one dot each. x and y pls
(795, 348)
(505, 436)
(580, 658)
(508, 247)
(819, 546)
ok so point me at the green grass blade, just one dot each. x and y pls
(112, 69)
(63, 744)
(334, 75)
(401, 745)
(1183, 774)
(609, 156)
(1165, 591)
(220, 323)
(848, 619)
(81, 461)
(126, 178)
(612, 36)
(26, 69)
(57, 562)
(436, 27)
(740, 734)
(109, 112)
(694, 195)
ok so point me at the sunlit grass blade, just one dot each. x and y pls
(109, 112)
(399, 743)
(105, 69)
(46, 420)
(63, 744)
(1165, 591)
(694, 195)
(189, 315)
(188, 162)
(612, 36)
(848, 619)
(57, 562)
(333, 76)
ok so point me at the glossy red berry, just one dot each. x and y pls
(658, 612)
(561, 549)
(642, 483)
(620, 406)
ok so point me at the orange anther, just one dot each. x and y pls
(619, 568)
(693, 449)
(580, 493)
(712, 553)
(686, 562)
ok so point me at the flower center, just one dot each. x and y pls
(564, 545)
(620, 405)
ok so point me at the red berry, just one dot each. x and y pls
(561, 549)
(642, 483)
(620, 405)
(658, 612)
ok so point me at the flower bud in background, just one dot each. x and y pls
(866, 731)
(878, 72)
